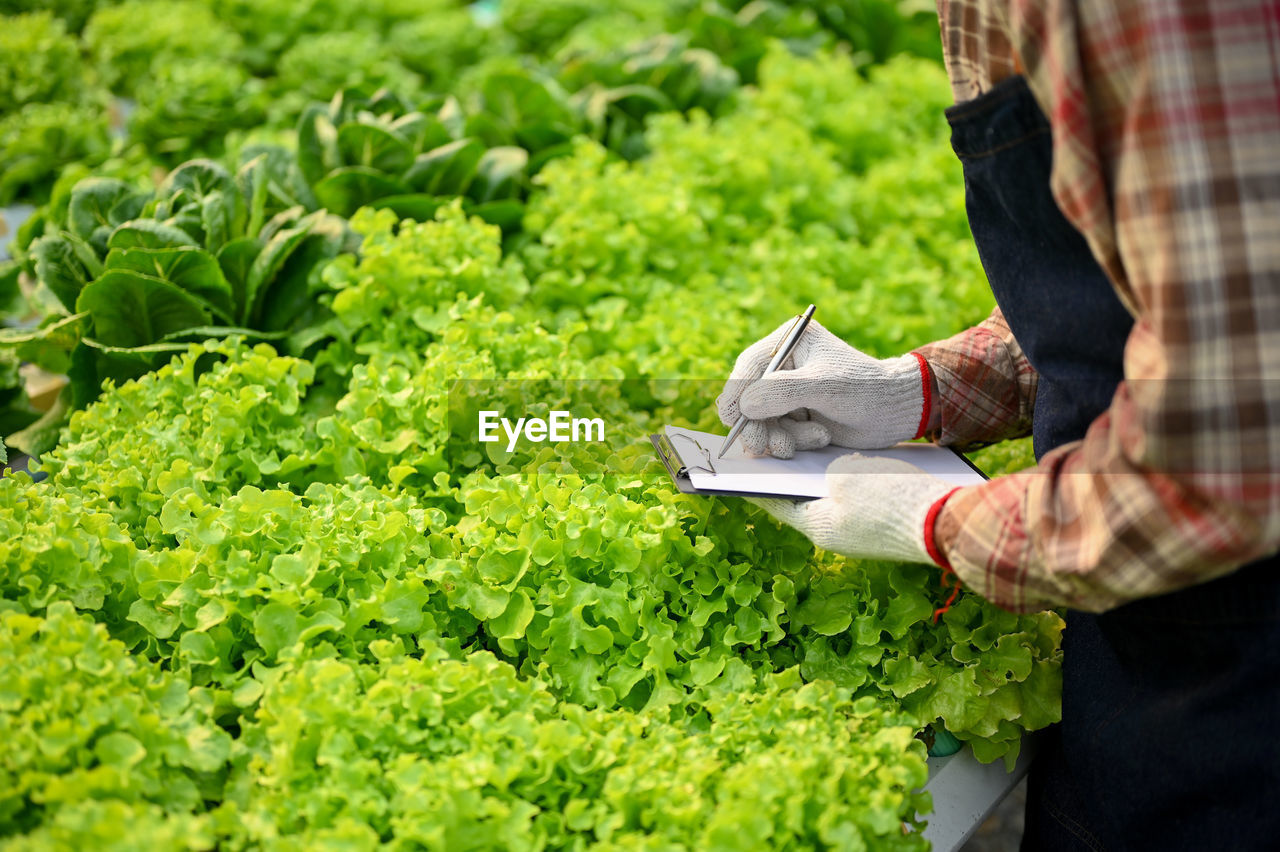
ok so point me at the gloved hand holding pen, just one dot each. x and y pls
(826, 393)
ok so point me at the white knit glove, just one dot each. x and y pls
(826, 392)
(876, 508)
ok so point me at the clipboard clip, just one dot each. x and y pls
(672, 456)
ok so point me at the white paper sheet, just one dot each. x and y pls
(802, 476)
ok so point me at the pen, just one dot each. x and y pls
(779, 355)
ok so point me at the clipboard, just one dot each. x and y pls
(692, 460)
(679, 472)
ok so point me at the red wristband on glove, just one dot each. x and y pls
(930, 520)
(931, 547)
(926, 377)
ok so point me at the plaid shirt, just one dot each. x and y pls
(1165, 119)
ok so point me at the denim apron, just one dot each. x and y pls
(1169, 704)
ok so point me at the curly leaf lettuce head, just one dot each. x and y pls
(420, 735)
(39, 139)
(129, 736)
(41, 62)
(187, 107)
(127, 40)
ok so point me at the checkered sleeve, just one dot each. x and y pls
(1165, 117)
(986, 386)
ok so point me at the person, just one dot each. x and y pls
(1122, 171)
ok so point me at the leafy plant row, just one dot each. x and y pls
(189, 72)
(416, 751)
(302, 608)
(192, 70)
(364, 147)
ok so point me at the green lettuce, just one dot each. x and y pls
(41, 62)
(125, 41)
(127, 738)
(420, 751)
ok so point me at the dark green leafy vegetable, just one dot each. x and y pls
(882, 28)
(373, 150)
(617, 89)
(140, 270)
(16, 412)
(130, 309)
